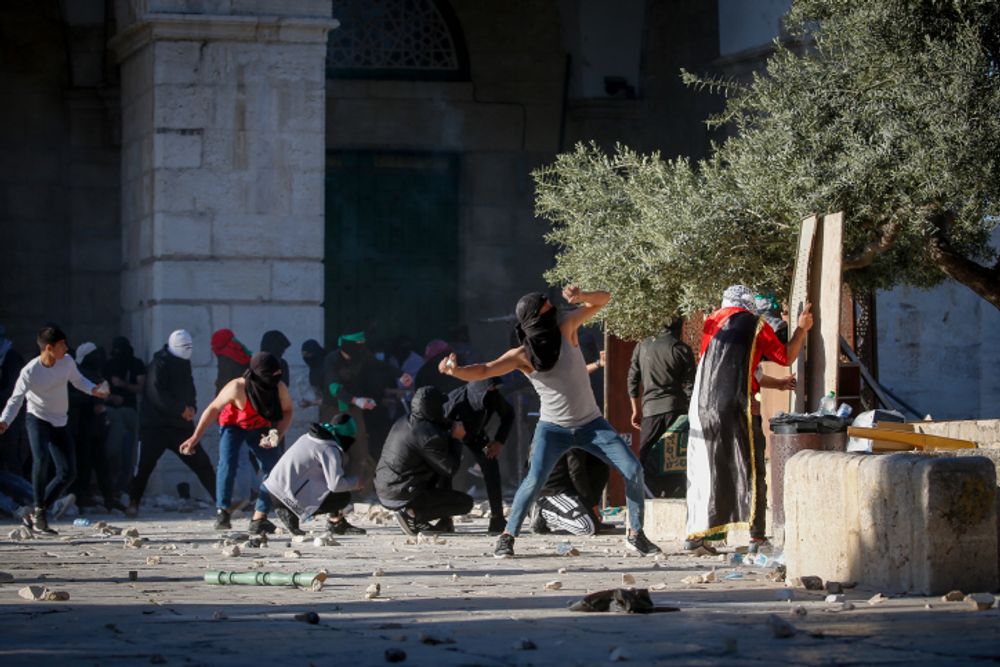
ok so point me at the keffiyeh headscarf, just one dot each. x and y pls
(739, 296)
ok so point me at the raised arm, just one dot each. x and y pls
(794, 345)
(513, 359)
(590, 302)
(287, 409)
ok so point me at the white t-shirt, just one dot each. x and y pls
(46, 390)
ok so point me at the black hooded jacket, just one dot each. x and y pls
(169, 389)
(418, 451)
(474, 404)
(276, 343)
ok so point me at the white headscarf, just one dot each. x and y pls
(82, 350)
(180, 344)
(739, 296)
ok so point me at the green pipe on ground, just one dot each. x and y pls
(263, 578)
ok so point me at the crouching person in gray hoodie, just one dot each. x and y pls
(309, 477)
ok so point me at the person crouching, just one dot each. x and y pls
(309, 477)
(420, 455)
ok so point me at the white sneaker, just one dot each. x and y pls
(60, 506)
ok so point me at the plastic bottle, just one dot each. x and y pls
(82, 522)
(844, 411)
(828, 404)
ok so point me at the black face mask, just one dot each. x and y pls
(538, 332)
(262, 381)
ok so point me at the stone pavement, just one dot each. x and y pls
(444, 602)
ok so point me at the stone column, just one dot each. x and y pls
(222, 170)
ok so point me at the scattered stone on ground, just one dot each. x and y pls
(627, 579)
(554, 585)
(878, 598)
(979, 601)
(809, 583)
(953, 596)
(231, 551)
(42, 594)
(373, 591)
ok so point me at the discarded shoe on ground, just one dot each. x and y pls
(620, 601)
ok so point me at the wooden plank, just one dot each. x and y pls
(798, 295)
(618, 407)
(918, 440)
(825, 288)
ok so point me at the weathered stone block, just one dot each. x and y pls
(297, 281)
(182, 234)
(220, 280)
(182, 105)
(900, 523)
(177, 148)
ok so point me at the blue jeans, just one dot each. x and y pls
(50, 443)
(230, 446)
(15, 491)
(598, 438)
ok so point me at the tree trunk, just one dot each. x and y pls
(983, 280)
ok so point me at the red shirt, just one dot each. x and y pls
(247, 418)
(767, 345)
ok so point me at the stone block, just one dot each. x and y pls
(182, 234)
(901, 523)
(177, 62)
(220, 280)
(297, 281)
(179, 105)
(266, 236)
(177, 148)
(665, 520)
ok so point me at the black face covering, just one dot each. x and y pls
(314, 354)
(262, 380)
(538, 332)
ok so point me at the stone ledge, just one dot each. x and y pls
(901, 523)
(203, 27)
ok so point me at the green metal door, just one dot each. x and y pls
(391, 256)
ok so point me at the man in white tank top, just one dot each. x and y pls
(550, 356)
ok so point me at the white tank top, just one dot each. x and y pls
(567, 399)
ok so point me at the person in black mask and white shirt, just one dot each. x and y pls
(309, 478)
(550, 356)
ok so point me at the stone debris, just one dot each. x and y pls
(131, 532)
(300, 539)
(567, 549)
(562, 570)
(6, 578)
(780, 628)
(219, 616)
(425, 538)
(808, 583)
(785, 594)
(835, 598)
(834, 587)
(42, 594)
(168, 547)
(800, 611)
(843, 606)
(703, 552)
(318, 583)
(953, 596)
(373, 591)
(693, 579)
(255, 542)
(878, 598)
(325, 541)
(231, 551)
(153, 560)
(524, 644)
(660, 556)
(134, 542)
(628, 580)
(378, 572)
(431, 640)
(553, 585)
(618, 654)
(395, 655)
(703, 578)
(310, 617)
(979, 601)
(454, 577)
(19, 534)
(107, 530)
(777, 574)
(270, 440)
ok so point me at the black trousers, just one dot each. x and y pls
(758, 526)
(439, 503)
(491, 475)
(152, 444)
(50, 444)
(92, 460)
(652, 429)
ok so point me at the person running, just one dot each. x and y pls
(309, 478)
(168, 408)
(475, 404)
(43, 382)
(550, 356)
(247, 409)
(421, 454)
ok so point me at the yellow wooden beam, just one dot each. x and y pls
(917, 440)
